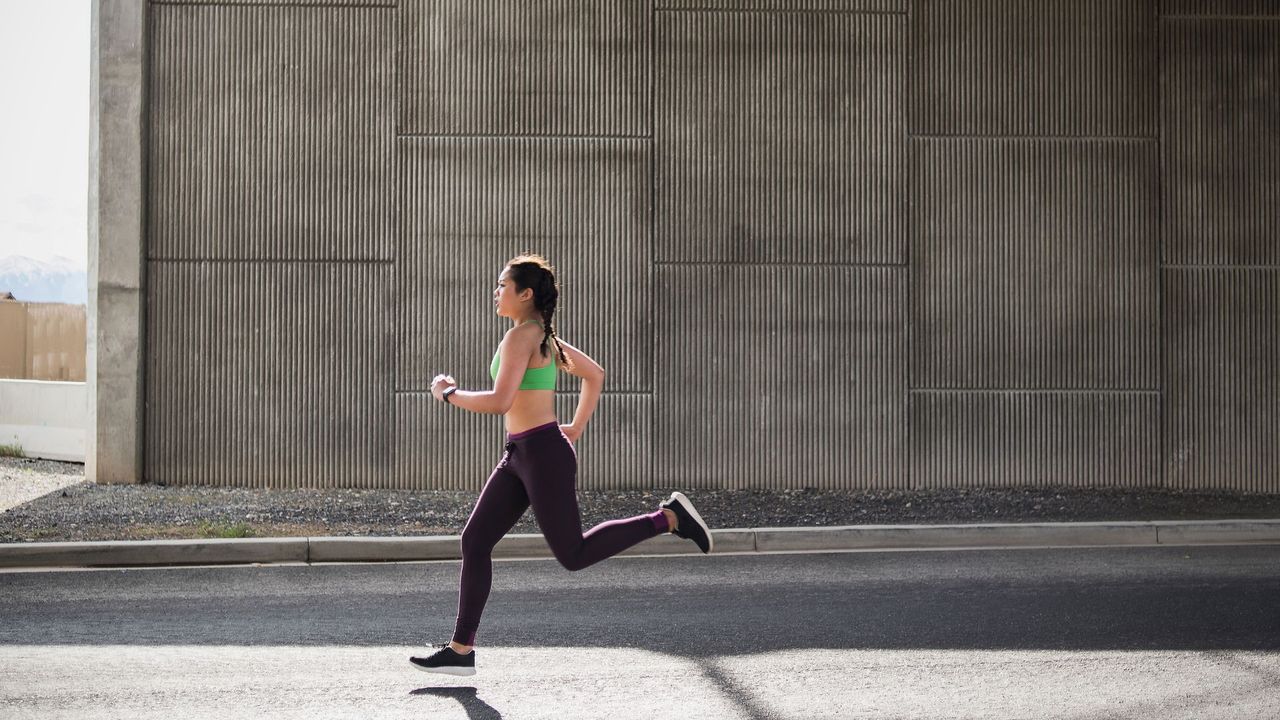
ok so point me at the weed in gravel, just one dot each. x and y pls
(11, 451)
(221, 530)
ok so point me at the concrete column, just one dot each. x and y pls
(117, 258)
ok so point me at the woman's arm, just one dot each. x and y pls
(513, 353)
(592, 384)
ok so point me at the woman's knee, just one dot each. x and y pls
(570, 556)
(476, 543)
(573, 563)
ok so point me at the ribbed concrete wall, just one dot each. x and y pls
(495, 67)
(1220, 199)
(269, 374)
(1034, 68)
(766, 373)
(1034, 263)
(780, 137)
(1221, 148)
(271, 133)
(815, 243)
(1222, 417)
(978, 438)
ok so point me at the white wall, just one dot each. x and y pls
(46, 418)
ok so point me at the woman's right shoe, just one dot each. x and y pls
(445, 660)
(689, 524)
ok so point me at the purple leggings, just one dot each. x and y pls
(539, 468)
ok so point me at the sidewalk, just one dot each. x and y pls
(737, 540)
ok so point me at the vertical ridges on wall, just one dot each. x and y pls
(1220, 112)
(1247, 8)
(1222, 411)
(774, 5)
(729, 192)
(1018, 438)
(1221, 151)
(315, 3)
(1034, 68)
(1034, 264)
(489, 67)
(780, 137)
(284, 382)
(780, 376)
(1034, 243)
(271, 132)
(439, 447)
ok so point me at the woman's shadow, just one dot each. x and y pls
(476, 708)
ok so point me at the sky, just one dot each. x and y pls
(44, 128)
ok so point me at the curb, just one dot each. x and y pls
(133, 553)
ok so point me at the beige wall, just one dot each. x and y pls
(42, 341)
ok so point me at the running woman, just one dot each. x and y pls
(540, 464)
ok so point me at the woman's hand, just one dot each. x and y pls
(440, 384)
(572, 432)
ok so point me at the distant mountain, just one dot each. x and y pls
(57, 280)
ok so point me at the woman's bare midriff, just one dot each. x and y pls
(531, 408)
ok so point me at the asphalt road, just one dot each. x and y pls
(1163, 632)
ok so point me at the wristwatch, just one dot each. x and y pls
(449, 391)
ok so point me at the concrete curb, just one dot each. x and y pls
(758, 540)
(153, 552)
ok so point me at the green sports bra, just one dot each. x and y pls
(543, 378)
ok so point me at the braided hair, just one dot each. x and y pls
(532, 271)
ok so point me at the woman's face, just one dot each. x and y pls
(506, 299)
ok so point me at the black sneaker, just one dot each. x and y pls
(689, 523)
(446, 660)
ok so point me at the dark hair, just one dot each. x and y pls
(532, 271)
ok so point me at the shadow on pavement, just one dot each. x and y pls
(475, 708)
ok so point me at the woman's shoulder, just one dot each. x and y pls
(524, 333)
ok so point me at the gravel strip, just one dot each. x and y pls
(23, 480)
(87, 511)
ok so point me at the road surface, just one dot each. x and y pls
(1161, 632)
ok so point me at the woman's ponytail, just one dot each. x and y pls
(533, 271)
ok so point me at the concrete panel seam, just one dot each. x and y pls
(752, 264)
(780, 11)
(1219, 267)
(1158, 231)
(1034, 138)
(524, 136)
(1253, 18)
(289, 261)
(1132, 391)
(317, 4)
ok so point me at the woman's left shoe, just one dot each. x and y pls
(446, 660)
(689, 523)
